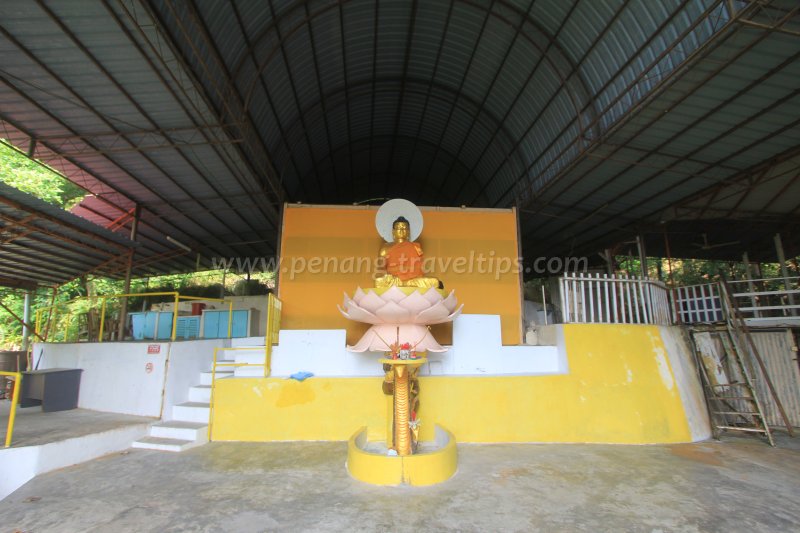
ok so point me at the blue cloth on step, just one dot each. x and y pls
(300, 376)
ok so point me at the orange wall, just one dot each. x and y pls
(343, 236)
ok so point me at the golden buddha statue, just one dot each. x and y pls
(403, 260)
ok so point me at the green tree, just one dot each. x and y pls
(32, 177)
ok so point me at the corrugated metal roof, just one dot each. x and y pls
(595, 118)
(42, 243)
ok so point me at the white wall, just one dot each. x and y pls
(477, 350)
(118, 377)
(115, 375)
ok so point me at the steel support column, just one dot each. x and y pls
(26, 319)
(785, 272)
(123, 309)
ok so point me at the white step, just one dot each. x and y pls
(247, 341)
(175, 429)
(167, 445)
(249, 372)
(222, 365)
(205, 377)
(191, 412)
(200, 393)
(250, 356)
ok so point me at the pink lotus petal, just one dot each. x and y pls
(379, 337)
(358, 295)
(433, 296)
(393, 294)
(371, 302)
(415, 302)
(392, 313)
(364, 343)
(455, 313)
(413, 333)
(397, 308)
(430, 345)
(353, 312)
(376, 339)
(451, 302)
(386, 335)
(433, 315)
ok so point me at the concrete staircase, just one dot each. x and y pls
(188, 426)
(255, 357)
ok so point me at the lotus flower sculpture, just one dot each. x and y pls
(398, 315)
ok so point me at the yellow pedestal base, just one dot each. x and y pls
(418, 470)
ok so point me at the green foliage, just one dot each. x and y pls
(684, 272)
(74, 299)
(249, 287)
(25, 174)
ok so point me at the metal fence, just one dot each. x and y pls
(699, 304)
(603, 299)
(771, 301)
(768, 302)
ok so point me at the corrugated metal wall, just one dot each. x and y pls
(779, 352)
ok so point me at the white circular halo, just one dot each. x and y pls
(391, 211)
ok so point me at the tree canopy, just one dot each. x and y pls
(33, 177)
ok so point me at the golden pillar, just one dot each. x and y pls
(402, 373)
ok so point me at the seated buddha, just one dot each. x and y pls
(403, 260)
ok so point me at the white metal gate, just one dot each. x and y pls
(603, 299)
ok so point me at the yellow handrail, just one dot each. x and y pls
(175, 317)
(177, 297)
(271, 336)
(274, 306)
(39, 313)
(102, 320)
(14, 400)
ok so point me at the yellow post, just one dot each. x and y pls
(211, 399)
(53, 325)
(14, 400)
(102, 319)
(66, 326)
(268, 338)
(175, 317)
(230, 317)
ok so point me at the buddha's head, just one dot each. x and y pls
(400, 230)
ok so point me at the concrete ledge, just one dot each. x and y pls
(20, 465)
(418, 470)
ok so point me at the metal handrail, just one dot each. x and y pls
(14, 401)
(603, 299)
(104, 299)
(702, 303)
(177, 297)
(274, 307)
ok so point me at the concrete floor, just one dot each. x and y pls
(33, 427)
(739, 484)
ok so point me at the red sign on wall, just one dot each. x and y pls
(153, 349)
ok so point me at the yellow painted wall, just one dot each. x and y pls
(620, 389)
(333, 234)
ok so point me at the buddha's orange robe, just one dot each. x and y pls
(404, 261)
